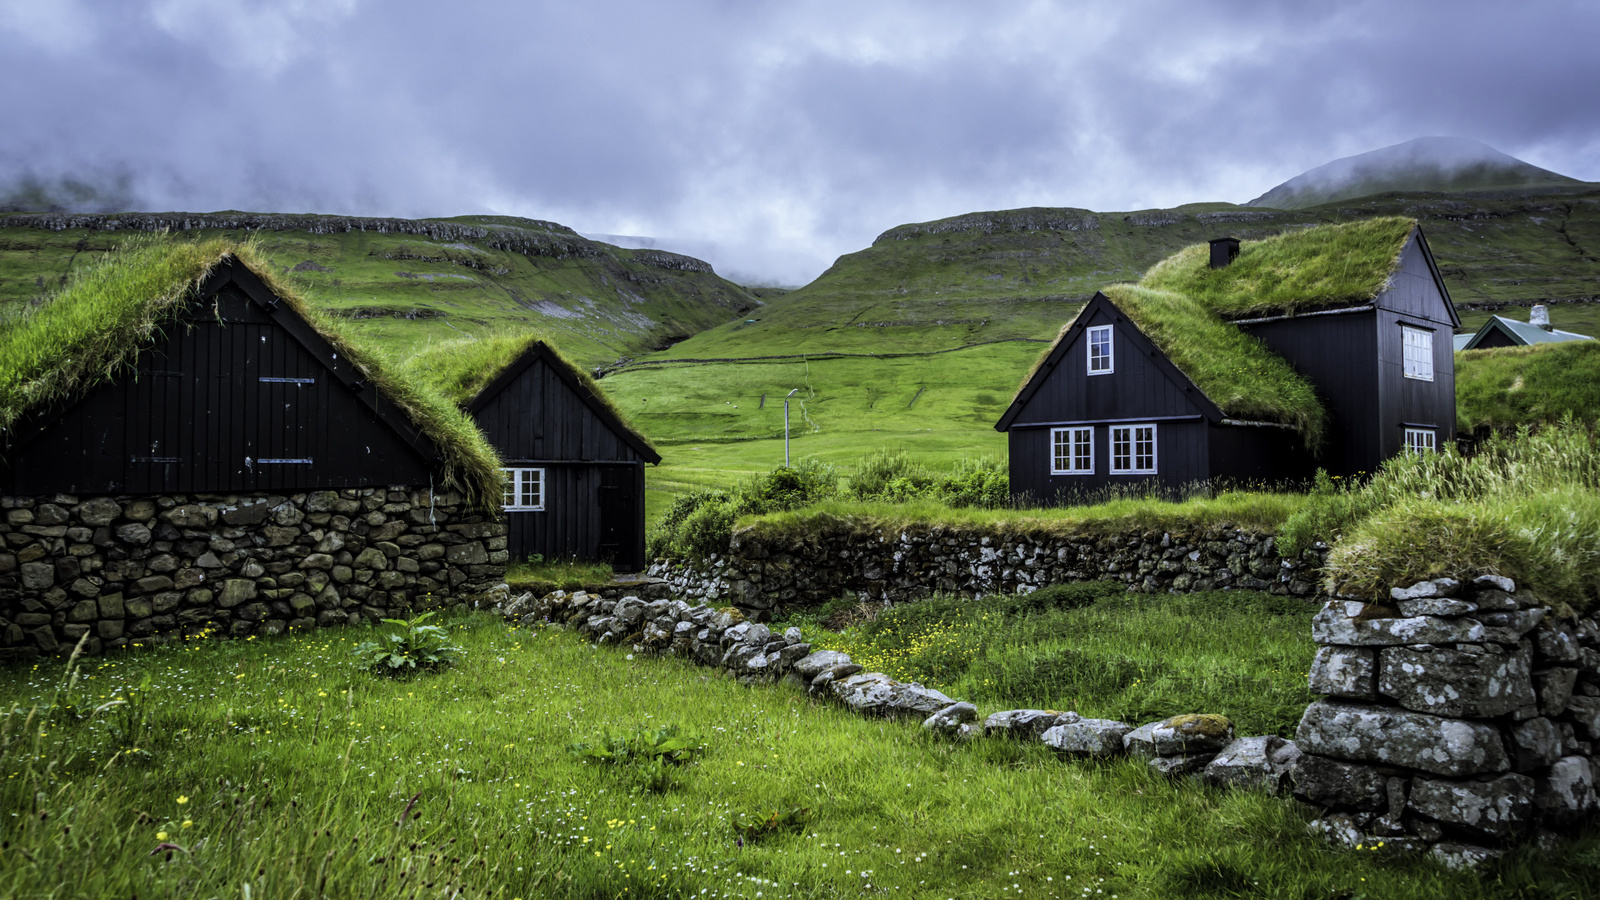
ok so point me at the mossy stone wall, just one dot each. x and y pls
(145, 569)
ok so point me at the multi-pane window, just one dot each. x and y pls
(1420, 440)
(524, 490)
(1417, 346)
(1133, 449)
(1071, 451)
(1100, 350)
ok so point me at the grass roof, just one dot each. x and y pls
(1234, 369)
(459, 369)
(1312, 268)
(95, 327)
(1538, 384)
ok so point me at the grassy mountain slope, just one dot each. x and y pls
(1424, 164)
(404, 282)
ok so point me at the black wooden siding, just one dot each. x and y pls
(594, 476)
(539, 416)
(1338, 354)
(591, 511)
(195, 415)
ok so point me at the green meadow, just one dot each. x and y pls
(279, 768)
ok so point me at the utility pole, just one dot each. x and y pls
(786, 426)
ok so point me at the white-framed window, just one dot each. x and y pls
(1100, 350)
(1133, 449)
(1417, 349)
(1421, 440)
(524, 490)
(1072, 451)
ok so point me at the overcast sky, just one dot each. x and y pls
(768, 137)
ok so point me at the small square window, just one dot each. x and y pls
(1133, 450)
(1421, 440)
(1100, 350)
(1072, 451)
(524, 490)
(1417, 350)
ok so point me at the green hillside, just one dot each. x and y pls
(920, 340)
(404, 282)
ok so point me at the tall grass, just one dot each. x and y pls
(275, 768)
(1098, 650)
(1525, 505)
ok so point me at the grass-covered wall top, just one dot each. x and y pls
(94, 328)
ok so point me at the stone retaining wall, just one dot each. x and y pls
(1458, 719)
(143, 569)
(760, 575)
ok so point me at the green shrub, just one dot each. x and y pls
(893, 476)
(700, 523)
(982, 482)
(416, 647)
(1524, 505)
(888, 475)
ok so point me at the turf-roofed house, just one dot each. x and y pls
(1500, 331)
(574, 468)
(1256, 362)
(188, 448)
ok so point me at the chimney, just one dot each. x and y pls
(1539, 315)
(1223, 250)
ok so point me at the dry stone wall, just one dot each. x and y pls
(762, 574)
(143, 569)
(1459, 718)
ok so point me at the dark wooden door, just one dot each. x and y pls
(621, 531)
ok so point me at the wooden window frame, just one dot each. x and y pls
(1071, 438)
(1094, 333)
(516, 497)
(1415, 443)
(1129, 435)
(1411, 365)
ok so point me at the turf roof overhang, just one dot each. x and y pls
(470, 371)
(95, 327)
(1326, 267)
(1233, 370)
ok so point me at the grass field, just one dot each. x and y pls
(276, 768)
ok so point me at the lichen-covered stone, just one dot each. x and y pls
(1025, 724)
(1473, 680)
(1337, 784)
(1087, 737)
(1349, 672)
(877, 694)
(1191, 734)
(1260, 762)
(1497, 807)
(1566, 794)
(1375, 734)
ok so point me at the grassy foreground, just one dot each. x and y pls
(276, 769)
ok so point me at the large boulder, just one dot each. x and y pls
(875, 693)
(1261, 762)
(1452, 747)
(1497, 807)
(1140, 743)
(1473, 680)
(1087, 737)
(952, 721)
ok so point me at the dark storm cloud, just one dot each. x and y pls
(778, 135)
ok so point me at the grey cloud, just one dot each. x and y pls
(777, 136)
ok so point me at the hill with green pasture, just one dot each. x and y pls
(404, 282)
(1423, 164)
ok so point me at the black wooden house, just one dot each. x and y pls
(1256, 362)
(574, 469)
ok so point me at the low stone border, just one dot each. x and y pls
(1201, 745)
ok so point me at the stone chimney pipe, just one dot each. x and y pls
(1540, 316)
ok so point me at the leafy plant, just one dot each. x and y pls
(649, 754)
(750, 829)
(416, 647)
